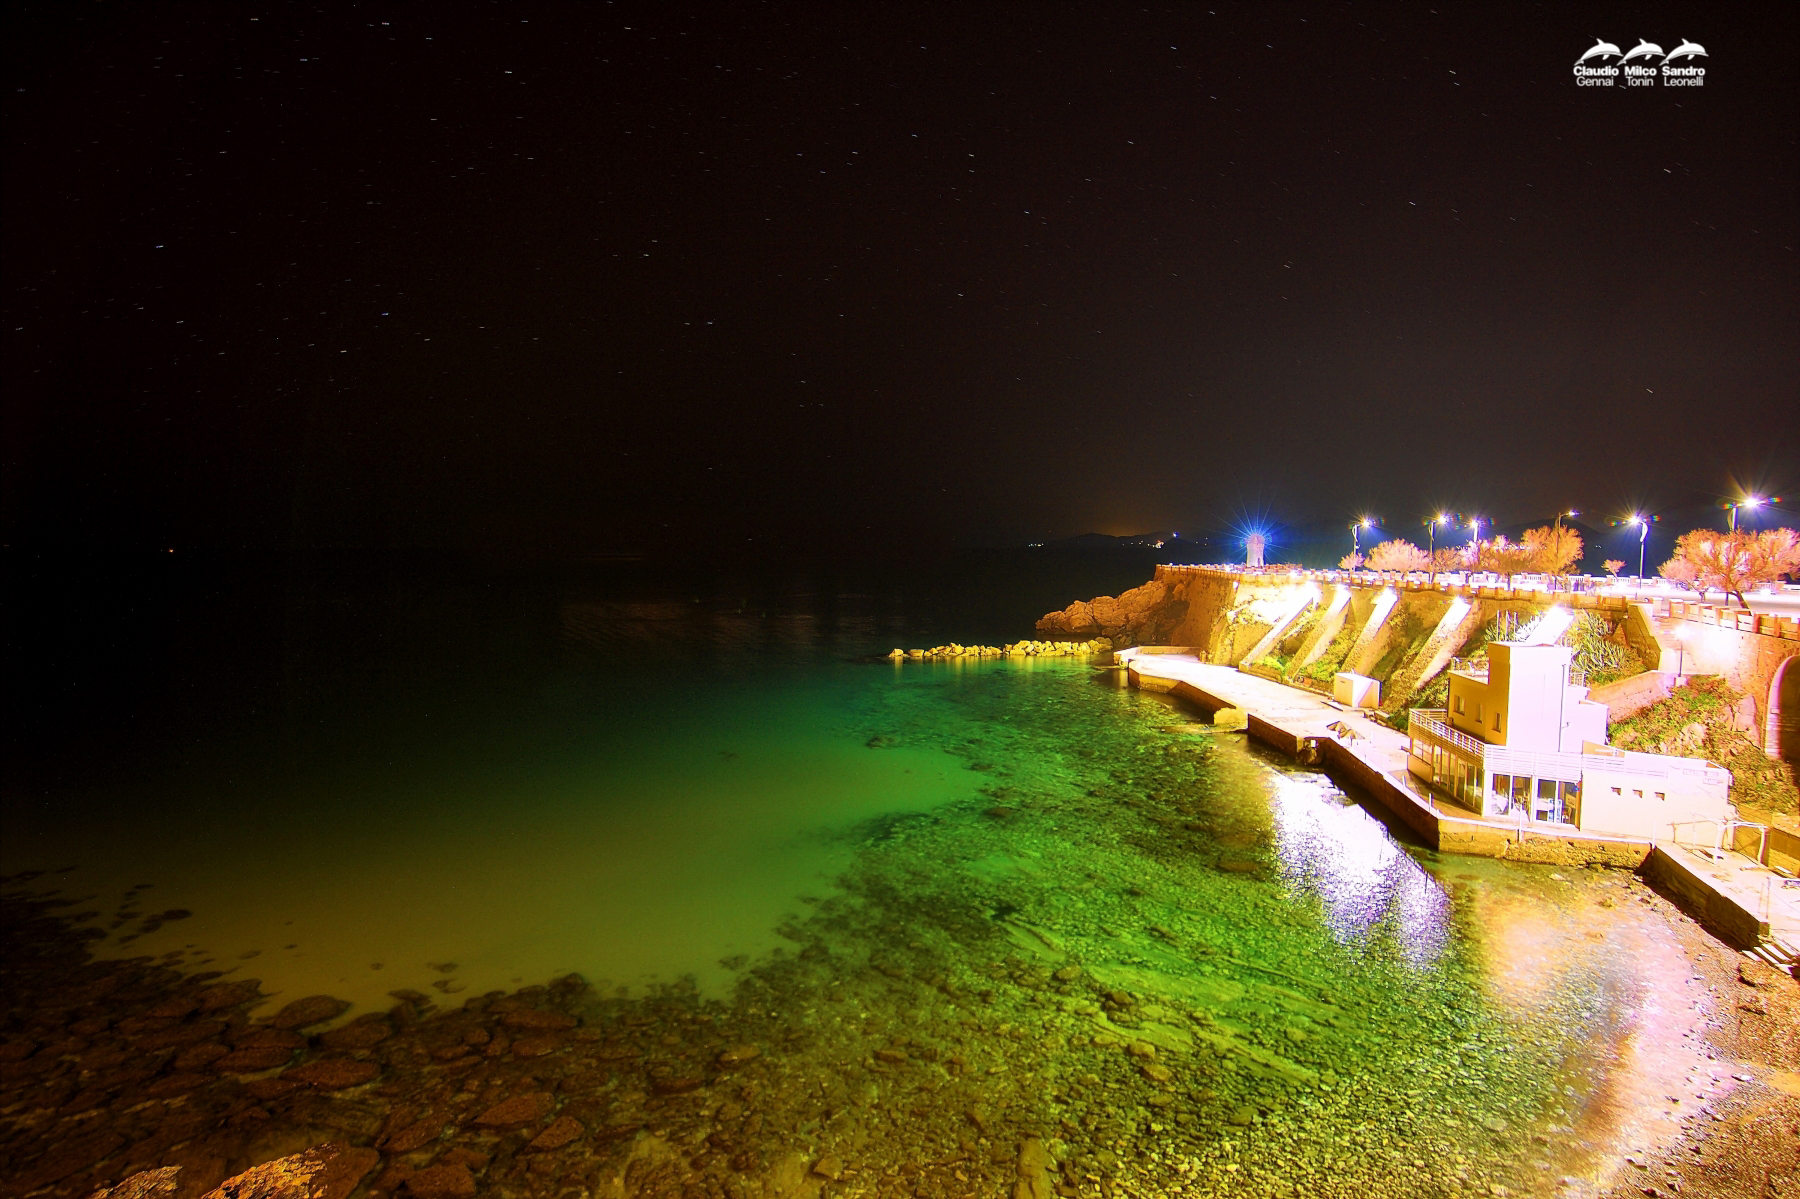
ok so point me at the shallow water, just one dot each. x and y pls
(1195, 965)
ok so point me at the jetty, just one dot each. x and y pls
(1747, 903)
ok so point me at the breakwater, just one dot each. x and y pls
(1014, 649)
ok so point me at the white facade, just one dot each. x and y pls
(1520, 739)
(1525, 700)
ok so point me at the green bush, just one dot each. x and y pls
(1601, 658)
(1332, 660)
(1696, 721)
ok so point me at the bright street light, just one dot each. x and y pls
(1643, 524)
(1751, 502)
(1356, 532)
(1431, 528)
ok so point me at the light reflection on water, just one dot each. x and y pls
(1337, 851)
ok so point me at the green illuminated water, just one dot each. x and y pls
(954, 906)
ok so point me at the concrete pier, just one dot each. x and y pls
(1739, 900)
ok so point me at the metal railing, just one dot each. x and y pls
(1430, 722)
(1554, 764)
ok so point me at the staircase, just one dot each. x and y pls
(1783, 955)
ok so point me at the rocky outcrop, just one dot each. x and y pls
(1147, 615)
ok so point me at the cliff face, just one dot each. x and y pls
(1147, 615)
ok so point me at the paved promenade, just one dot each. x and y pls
(1731, 894)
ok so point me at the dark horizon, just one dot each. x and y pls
(544, 283)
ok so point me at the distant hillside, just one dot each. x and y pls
(1105, 541)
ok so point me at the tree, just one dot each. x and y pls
(1733, 562)
(1351, 562)
(1680, 572)
(1506, 558)
(1449, 557)
(1553, 549)
(1398, 554)
(1614, 566)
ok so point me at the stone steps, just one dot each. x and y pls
(1778, 953)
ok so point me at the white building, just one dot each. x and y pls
(1520, 737)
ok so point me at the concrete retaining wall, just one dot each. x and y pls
(1628, 697)
(1727, 919)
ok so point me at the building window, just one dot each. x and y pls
(1617, 791)
(1661, 796)
(1546, 789)
(1459, 705)
(1638, 792)
(1496, 722)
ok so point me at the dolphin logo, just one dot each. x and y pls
(1643, 49)
(1601, 49)
(1687, 49)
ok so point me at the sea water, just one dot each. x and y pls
(454, 790)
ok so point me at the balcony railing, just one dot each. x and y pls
(1431, 721)
(1541, 764)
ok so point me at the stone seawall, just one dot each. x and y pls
(1299, 627)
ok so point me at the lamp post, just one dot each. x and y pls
(1751, 502)
(1638, 519)
(1356, 532)
(1431, 528)
(1570, 513)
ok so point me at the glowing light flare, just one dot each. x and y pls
(1384, 603)
(1459, 608)
(1550, 625)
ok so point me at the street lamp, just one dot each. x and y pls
(1570, 513)
(1751, 502)
(1431, 528)
(1356, 532)
(1643, 524)
(1474, 529)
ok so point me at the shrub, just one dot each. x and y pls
(1696, 720)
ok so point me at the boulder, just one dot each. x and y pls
(327, 1171)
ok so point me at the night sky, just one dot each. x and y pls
(569, 280)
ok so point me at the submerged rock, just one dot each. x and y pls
(561, 1131)
(146, 1184)
(1033, 1181)
(314, 1009)
(333, 1073)
(520, 1109)
(442, 1182)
